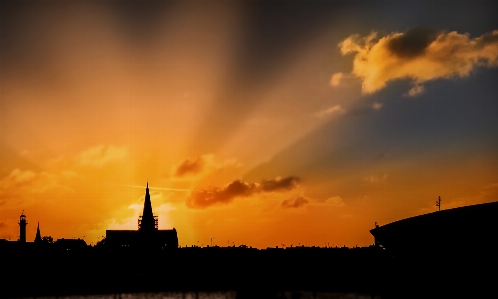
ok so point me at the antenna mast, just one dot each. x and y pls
(438, 203)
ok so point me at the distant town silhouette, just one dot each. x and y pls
(448, 248)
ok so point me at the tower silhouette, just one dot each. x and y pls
(38, 238)
(22, 228)
(147, 222)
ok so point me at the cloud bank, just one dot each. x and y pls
(23, 183)
(419, 54)
(203, 198)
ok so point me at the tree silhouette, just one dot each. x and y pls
(100, 243)
(48, 240)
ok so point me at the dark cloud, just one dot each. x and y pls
(413, 42)
(278, 184)
(140, 21)
(295, 202)
(200, 199)
(190, 167)
(202, 165)
(3, 225)
(487, 39)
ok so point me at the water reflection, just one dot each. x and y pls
(221, 295)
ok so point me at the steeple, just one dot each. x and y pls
(147, 222)
(38, 238)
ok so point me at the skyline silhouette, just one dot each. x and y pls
(148, 228)
(403, 236)
(143, 261)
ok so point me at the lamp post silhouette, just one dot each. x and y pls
(212, 237)
(438, 203)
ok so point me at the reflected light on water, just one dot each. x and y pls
(221, 295)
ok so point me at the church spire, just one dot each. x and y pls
(38, 238)
(147, 222)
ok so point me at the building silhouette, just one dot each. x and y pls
(38, 238)
(453, 233)
(38, 243)
(70, 244)
(22, 228)
(147, 236)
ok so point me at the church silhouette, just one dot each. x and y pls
(147, 236)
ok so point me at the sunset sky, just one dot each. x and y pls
(256, 122)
